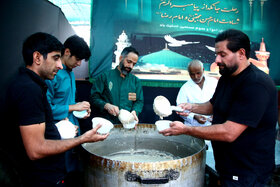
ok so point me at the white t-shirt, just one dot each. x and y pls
(190, 92)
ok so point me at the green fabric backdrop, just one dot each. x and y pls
(153, 18)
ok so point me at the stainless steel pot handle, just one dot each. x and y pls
(170, 175)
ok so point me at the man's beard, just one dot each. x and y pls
(228, 71)
(124, 70)
(200, 80)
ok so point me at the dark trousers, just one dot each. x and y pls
(248, 181)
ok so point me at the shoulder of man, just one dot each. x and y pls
(135, 78)
(261, 77)
(23, 90)
(23, 81)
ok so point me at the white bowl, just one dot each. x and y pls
(106, 125)
(163, 124)
(130, 125)
(125, 117)
(80, 114)
(66, 129)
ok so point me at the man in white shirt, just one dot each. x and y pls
(198, 89)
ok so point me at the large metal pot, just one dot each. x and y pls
(186, 170)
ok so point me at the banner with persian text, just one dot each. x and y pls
(170, 33)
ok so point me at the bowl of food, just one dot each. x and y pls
(162, 124)
(130, 125)
(106, 125)
(127, 119)
(66, 129)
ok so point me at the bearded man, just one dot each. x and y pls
(244, 108)
(118, 89)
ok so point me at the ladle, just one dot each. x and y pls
(163, 108)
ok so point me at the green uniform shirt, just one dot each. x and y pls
(111, 88)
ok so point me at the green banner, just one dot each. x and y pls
(169, 33)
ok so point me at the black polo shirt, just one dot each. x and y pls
(26, 104)
(249, 98)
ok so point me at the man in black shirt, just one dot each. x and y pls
(244, 108)
(36, 147)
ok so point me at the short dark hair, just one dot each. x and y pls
(44, 43)
(127, 50)
(78, 47)
(236, 40)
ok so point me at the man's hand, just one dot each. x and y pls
(176, 128)
(76, 129)
(88, 113)
(200, 119)
(112, 109)
(93, 136)
(135, 116)
(84, 105)
(186, 107)
(80, 106)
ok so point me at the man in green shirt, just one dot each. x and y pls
(118, 89)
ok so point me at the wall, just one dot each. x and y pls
(19, 19)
